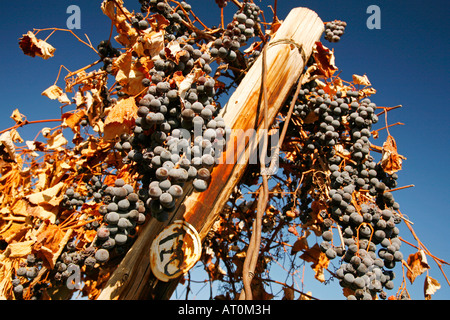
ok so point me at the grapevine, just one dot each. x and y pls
(157, 130)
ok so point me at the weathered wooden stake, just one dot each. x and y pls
(287, 54)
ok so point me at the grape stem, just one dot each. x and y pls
(26, 122)
(66, 30)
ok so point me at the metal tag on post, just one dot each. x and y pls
(175, 251)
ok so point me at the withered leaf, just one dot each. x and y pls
(32, 46)
(48, 243)
(319, 261)
(129, 74)
(20, 249)
(324, 58)
(300, 245)
(288, 293)
(430, 287)
(367, 92)
(53, 92)
(123, 64)
(306, 296)
(417, 263)
(71, 119)
(158, 22)
(17, 116)
(15, 232)
(361, 80)
(276, 24)
(150, 44)
(49, 196)
(56, 140)
(6, 141)
(120, 119)
(186, 84)
(391, 161)
(15, 136)
(127, 34)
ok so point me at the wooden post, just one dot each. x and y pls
(286, 55)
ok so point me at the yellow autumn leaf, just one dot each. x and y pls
(49, 195)
(53, 92)
(20, 249)
(306, 296)
(15, 136)
(56, 140)
(127, 35)
(361, 80)
(120, 119)
(17, 116)
(150, 44)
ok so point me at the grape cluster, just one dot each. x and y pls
(26, 272)
(95, 189)
(70, 258)
(176, 28)
(122, 211)
(74, 198)
(334, 30)
(121, 215)
(238, 32)
(186, 139)
(178, 136)
(107, 52)
(339, 129)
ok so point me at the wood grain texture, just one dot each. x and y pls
(133, 279)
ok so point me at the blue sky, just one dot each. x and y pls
(406, 61)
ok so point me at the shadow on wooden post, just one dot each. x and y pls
(287, 55)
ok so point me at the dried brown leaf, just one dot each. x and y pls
(300, 245)
(150, 44)
(367, 92)
(430, 287)
(15, 136)
(119, 16)
(19, 249)
(53, 92)
(129, 74)
(32, 46)
(120, 119)
(186, 84)
(306, 296)
(48, 243)
(418, 264)
(324, 58)
(391, 161)
(49, 196)
(158, 22)
(56, 140)
(17, 116)
(319, 261)
(72, 119)
(7, 142)
(288, 293)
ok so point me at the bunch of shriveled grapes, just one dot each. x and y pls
(334, 30)
(344, 123)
